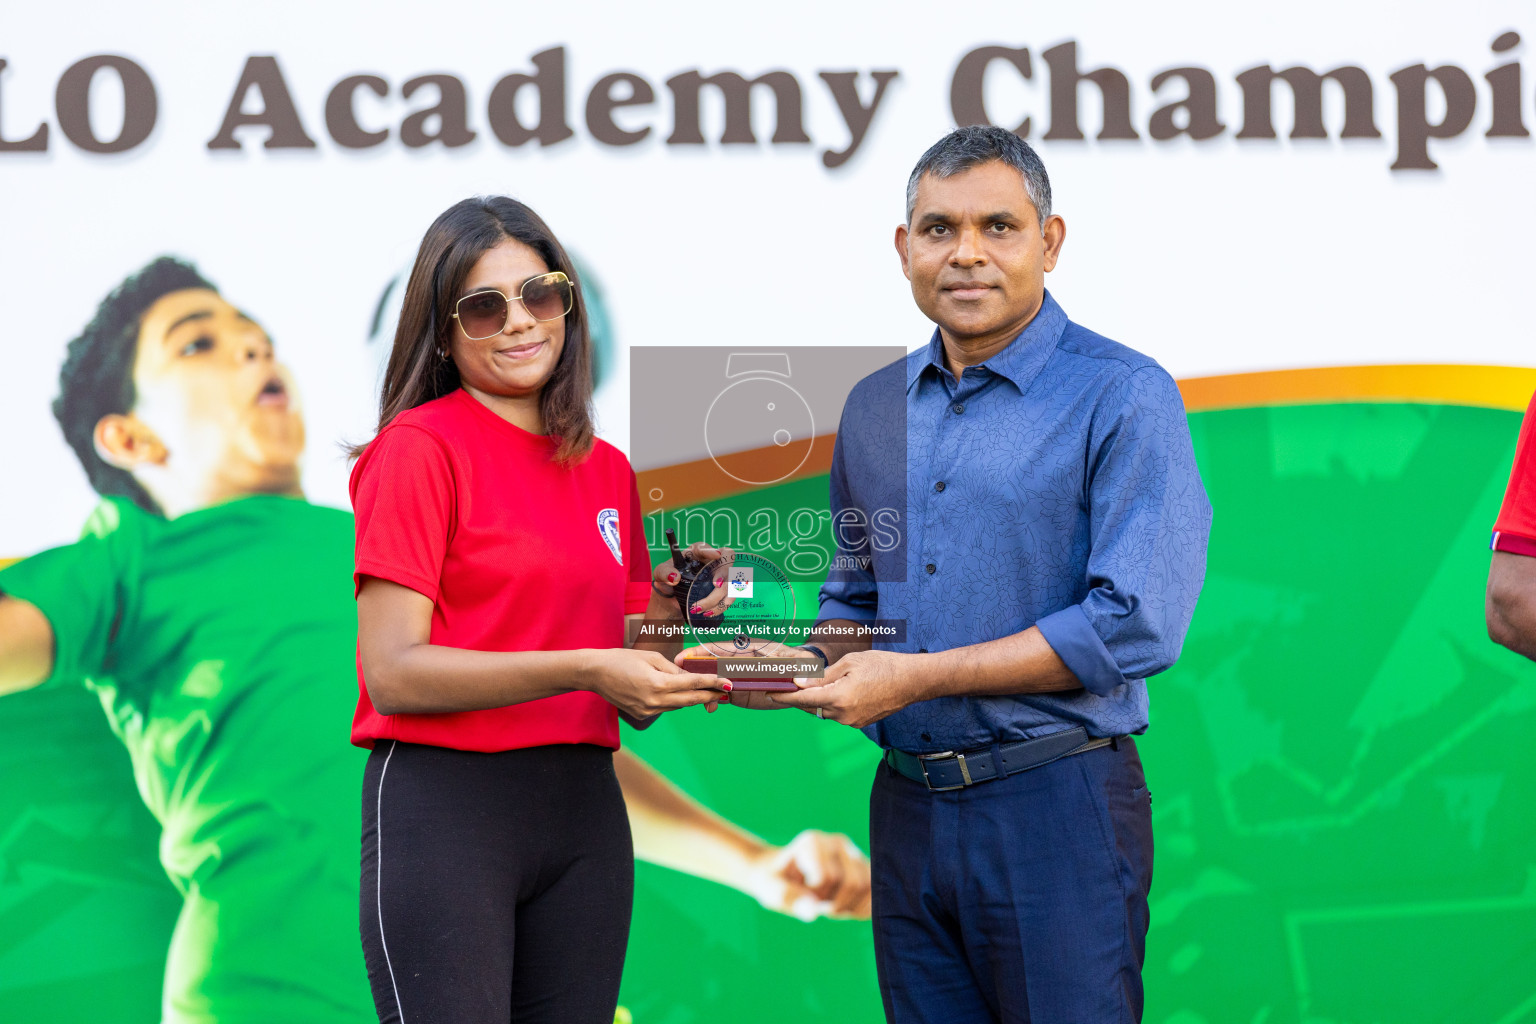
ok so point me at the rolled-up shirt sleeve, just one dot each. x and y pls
(849, 592)
(1149, 522)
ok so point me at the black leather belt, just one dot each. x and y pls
(950, 770)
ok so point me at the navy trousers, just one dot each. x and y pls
(1021, 900)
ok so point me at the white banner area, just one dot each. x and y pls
(1244, 189)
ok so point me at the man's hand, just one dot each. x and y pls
(860, 689)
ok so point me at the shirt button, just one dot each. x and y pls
(939, 486)
(931, 568)
(959, 408)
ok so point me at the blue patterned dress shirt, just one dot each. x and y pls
(1054, 486)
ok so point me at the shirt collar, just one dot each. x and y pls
(1019, 361)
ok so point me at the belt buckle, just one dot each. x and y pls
(964, 771)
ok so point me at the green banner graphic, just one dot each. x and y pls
(1341, 778)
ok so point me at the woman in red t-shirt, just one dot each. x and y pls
(499, 550)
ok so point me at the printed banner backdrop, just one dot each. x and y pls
(1333, 267)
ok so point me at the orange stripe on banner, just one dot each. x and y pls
(693, 483)
(1494, 387)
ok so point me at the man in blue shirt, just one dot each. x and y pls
(1053, 547)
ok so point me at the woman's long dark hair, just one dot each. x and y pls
(417, 373)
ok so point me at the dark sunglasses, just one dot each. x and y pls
(486, 314)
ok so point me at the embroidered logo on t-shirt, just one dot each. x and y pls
(608, 527)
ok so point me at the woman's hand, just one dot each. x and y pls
(711, 602)
(644, 683)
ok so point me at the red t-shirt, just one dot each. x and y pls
(1515, 531)
(516, 552)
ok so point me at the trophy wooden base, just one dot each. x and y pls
(742, 679)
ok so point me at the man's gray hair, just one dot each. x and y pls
(975, 144)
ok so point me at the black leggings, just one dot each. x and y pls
(496, 887)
